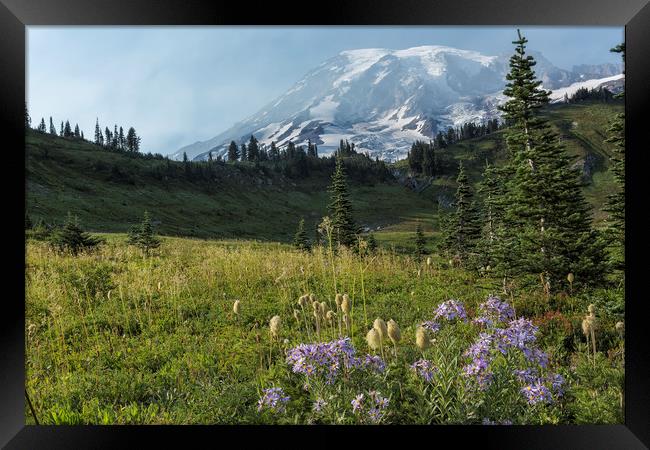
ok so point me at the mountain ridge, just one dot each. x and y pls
(383, 100)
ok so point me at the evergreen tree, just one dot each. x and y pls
(98, 132)
(108, 137)
(253, 149)
(67, 131)
(492, 191)
(420, 242)
(546, 215)
(243, 153)
(71, 238)
(41, 126)
(464, 227)
(616, 201)
(121, 141)
(77, 133)
(274, 154)
(115, 138)
(143, 237)
(233, 151)
(300, 239)
(62, 129)
(52, 127)
(132, 141)
(344, 227)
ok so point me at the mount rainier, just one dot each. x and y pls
(383, 100)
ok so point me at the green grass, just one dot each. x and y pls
(115, 338)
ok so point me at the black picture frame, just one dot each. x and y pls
(15, 15)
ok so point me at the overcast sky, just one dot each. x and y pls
(178, 85)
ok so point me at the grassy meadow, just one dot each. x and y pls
(113, 337)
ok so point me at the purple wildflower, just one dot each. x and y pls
(374, 363)
(493, 310)
(536, 393)
(557, 382)
(323, 359)
(431, 325)
(373, 410)
(450, 310)
(424, 368)
(273, 399)
(357, 403)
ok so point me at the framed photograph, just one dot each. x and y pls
(360, 220)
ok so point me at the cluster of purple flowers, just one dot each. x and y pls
(449, 310)
(327, 358)
(537, 393)
(493, 311)
(273, 399)
(372, 410)
(424, 368)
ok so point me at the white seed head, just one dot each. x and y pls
(274, 325)
(316, 306)
(591, 309)
(421, 339)
(338, 299)
(312, 298)
(345, 304)
(301, 301)
(585, 326)
(394, 332)
(235, 307)
(296, 315)
(323, 308)
(373, 339)
(330, 315)
(429, 261)
(620, 327)
(381, 328)
(570, 277)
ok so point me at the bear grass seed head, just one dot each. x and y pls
(373, 339)
(274, 325)
(330, 315)
(421, 339)
(338, 299)
(394, 332)
(345, 304)
(236, 307)
(569, 277)
(381, 328)
(302, 301)
(591, 309)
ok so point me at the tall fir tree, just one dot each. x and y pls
(545, 212)
(300, 239)
(233, 151)
(243, 153)
(77, 133)
(492, 191)
(253, 149)
(67, 130)
(345, 229)
(52, 127)
(464, 229)
(41, 126)
(98, 132)
(132, 140)
(616, 201)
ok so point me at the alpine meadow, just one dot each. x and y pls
(423, 236)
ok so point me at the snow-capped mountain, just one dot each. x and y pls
(383, 100)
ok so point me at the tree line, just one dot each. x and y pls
(116, 140)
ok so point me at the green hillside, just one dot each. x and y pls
(109, 191)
